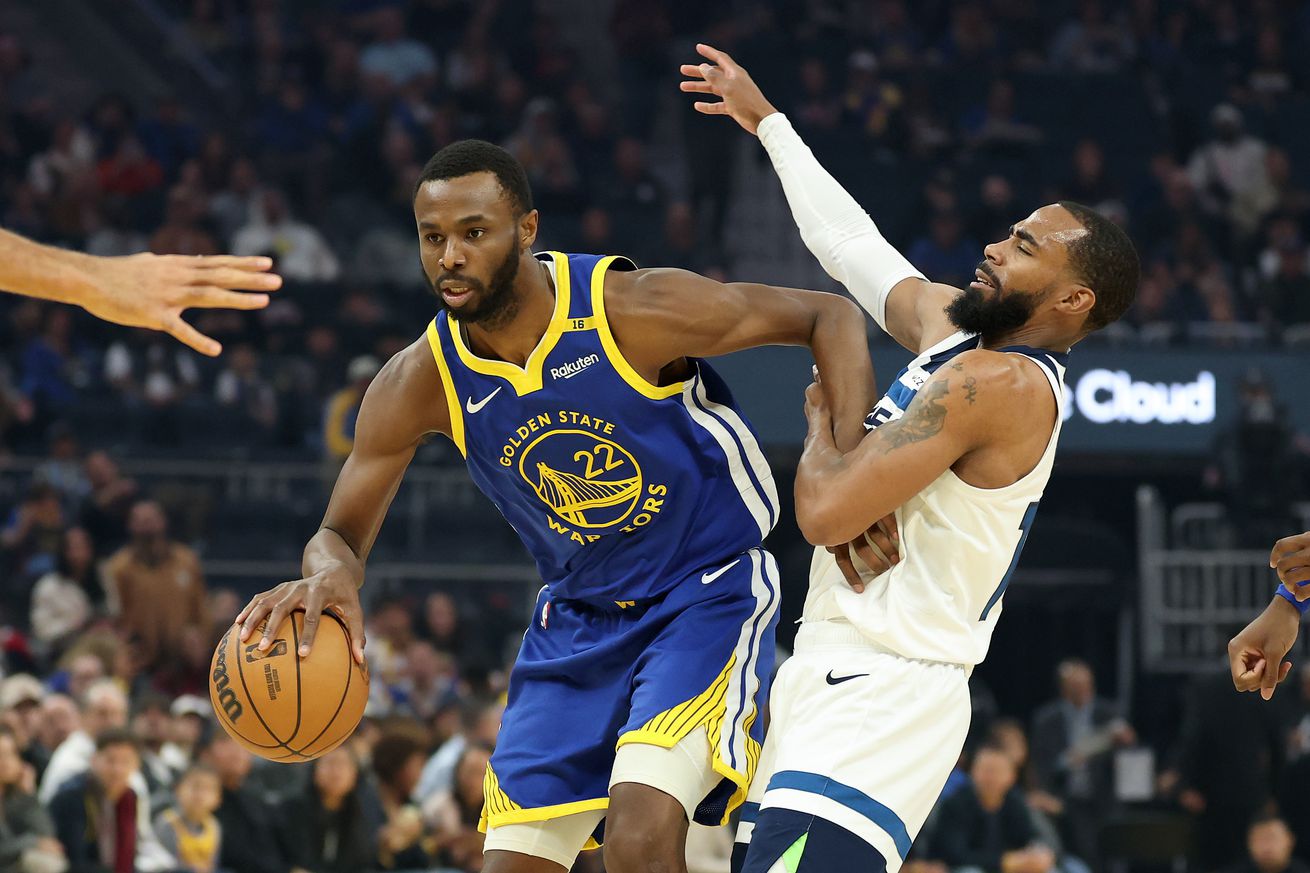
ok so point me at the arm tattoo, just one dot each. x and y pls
(922, 420)
(970, 389)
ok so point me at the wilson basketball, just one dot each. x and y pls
(283, 707)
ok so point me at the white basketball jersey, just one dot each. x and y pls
(959, 544)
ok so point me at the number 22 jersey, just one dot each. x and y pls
(619, 488)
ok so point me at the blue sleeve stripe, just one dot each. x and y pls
(750, 812)
(851, 798)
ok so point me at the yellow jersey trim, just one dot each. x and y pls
(452, 398)
(620, 363)
(528, 378)
(709, 708)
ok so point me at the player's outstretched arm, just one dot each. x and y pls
(1256, 655)
(142, 290)
(402, 406)
(966, 406)
(835, 228)
(662, 315)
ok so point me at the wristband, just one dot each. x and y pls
(1291, 598)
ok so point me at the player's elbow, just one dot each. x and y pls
(821, 519)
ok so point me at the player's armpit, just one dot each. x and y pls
(916, 313)
(961, 408)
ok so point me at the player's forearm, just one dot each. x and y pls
(835, 228)
(820, 475)
(327, 551)
(34, 270)
(841, 352)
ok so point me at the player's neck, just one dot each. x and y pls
(514, 340)
(1032, 336)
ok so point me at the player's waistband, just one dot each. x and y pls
(844, 635)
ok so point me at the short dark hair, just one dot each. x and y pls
(1264, 817)
(392, 752)
(469, 156)
(117, 737)
(1105, 259)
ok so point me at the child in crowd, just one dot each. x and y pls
(188, 828)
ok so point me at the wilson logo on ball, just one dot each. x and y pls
(227, 698)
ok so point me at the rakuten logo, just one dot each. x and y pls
(1105, 396)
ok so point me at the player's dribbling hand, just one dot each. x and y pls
(743, 101)
(332, 590)
(1291, 558)
(879, 548)
(152, 291)
(1255, 655)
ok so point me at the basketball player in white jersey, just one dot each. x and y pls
(870, 714)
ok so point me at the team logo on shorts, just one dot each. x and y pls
(587, 480)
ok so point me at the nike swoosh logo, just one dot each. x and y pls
(710, 577)
(837, 680)
(475, 407)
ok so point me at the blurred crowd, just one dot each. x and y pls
(1183, 119)
(1180, 118)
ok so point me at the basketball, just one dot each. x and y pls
(283, 707)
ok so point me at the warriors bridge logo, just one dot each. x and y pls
(588, 480)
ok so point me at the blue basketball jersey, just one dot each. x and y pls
(620, 489)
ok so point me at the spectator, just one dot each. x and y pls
(817, 109)
(398, 763)
(1093, 43)
(872, 106)
(61, 599)
(242, 387)
(60, 719)
(31, 540)
(302, 253)
(103, 708)
(100, 816)
(191, 715)
(1073, 739)
(1231, 173)
(996, 124)
(106, 511)
(479, 726)
(332, 827)
(21, 712)
(996, 210)
(395, 56)
(181, 233)
(1229, 749)
(1269, 845)
(1285, 299)
(455, 814)
(257, 840)
(1090, 183)
(137, 577)
(188, 829)
(945, 254)
(151, 725)
(63, 467)
(987, 827)
(83, 668)
(343, 408)
(27, 835)
(129, 171)
(427, 681)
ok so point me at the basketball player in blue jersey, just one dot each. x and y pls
(574, 386)
(870, 715)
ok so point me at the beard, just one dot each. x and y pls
(990, 317)
(492, 304)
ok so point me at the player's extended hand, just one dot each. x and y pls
(879, 548)
(742, 99)
(151, 291)
(1291, 558)
(332, 589)
(1255, 655)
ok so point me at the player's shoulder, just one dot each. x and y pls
(408, 391)
(985, 380)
